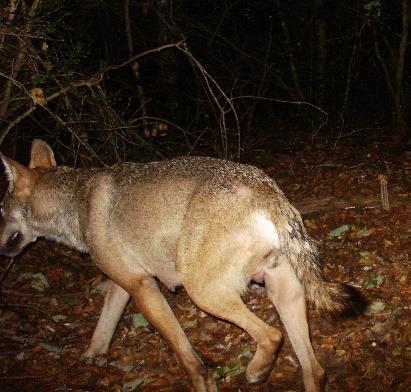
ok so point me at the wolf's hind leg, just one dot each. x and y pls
(287, 295)
(115, 302)
(219, 299)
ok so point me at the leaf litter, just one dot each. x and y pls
(49, 310)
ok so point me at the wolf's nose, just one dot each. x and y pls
(13, 242)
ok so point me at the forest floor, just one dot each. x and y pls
(52, 296)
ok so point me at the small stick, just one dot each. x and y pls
(11, 262)
(384, 192)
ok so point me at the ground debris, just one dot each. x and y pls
(49, 310)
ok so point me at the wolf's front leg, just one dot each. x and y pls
(115, 302)
(157, 311)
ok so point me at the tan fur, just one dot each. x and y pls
(208, 224)
(41, 155)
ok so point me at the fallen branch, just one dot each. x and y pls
(315, 205)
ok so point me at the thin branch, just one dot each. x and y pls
(51, 97)
(89, 82)
(282, 101)
(208, 82)
(12, 8)
(177, 45)
(302, 103)
(18, 63)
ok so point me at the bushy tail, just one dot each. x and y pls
(328, 297)
(301, 251)
(336, 298)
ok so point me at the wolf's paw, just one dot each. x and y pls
(253, 376)
(211, 384)
(97, 361)
(93, 355)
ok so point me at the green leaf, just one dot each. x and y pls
(138, 321)
(338, 232)
(375, 282)
(59, 317)
(228, 370)
(246, 353)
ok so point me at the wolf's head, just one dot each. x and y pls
(15, 206)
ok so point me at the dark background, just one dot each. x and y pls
(316, 93)
(245, 73)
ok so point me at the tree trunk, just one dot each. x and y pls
(399, 76)
(135, 66)
(321, 33)
(167, 79)
(290, 52)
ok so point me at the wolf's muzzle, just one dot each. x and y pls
(12, 244)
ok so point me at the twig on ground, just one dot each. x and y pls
(6, 271)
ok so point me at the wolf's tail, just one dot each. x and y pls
(328, 297)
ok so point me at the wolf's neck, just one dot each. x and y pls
(59, 207)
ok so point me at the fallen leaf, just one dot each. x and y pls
(138, 321)
(51, 348)
(40, 282)
(375, 282)
(375, 307)
(101, 288)
(228, 370)
(125, 367)
(338, 232)
(363, 233)
(59, 317)
(130, 386)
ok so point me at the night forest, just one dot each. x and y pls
(315, 93)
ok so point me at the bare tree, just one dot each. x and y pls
(321, 33)
(299, 94)
(399, 75)
(135, 66)
(19, 58)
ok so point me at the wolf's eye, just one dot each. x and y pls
(1, 210)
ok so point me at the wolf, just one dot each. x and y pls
(210, 225)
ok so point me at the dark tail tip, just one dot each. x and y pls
(355, 302)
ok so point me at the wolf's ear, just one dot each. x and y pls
(41, 155)
(7, 181)
(17, 175)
